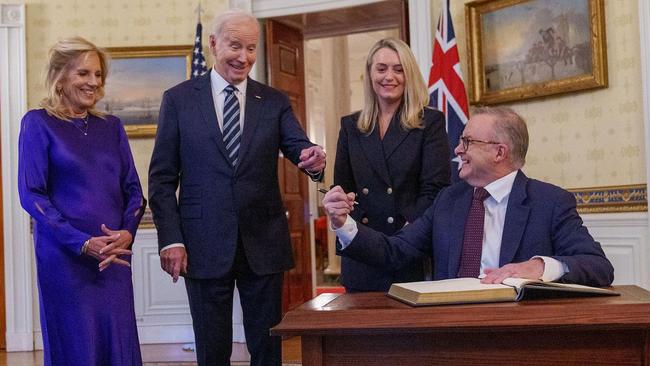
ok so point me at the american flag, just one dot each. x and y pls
(446, 85)
(198, 60)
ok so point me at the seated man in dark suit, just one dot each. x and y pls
(497, 222)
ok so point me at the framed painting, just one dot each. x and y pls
(520, 49)
(137, 78)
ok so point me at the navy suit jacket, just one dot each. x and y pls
(218, 203)
(541, 219)
(396, 179)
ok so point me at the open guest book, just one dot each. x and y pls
(471, 290)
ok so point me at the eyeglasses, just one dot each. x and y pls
(466, 141)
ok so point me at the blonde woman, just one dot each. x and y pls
(393, 154)
(77, 180)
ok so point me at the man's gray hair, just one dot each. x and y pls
(511, 126)
(236, 14)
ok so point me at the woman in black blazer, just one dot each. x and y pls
(393, 154)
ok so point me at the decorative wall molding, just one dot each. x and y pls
(627, 198)
(17, 241)
(12, 15)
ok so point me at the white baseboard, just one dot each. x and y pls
(17, 342)
(179, 334)
(155, 334)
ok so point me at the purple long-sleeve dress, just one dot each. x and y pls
(72, 179)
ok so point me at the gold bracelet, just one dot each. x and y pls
(84, 248)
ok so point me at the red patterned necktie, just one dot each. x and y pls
(470, 260)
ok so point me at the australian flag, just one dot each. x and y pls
(198, 60)
(446, 85)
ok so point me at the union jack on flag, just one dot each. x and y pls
(198, 60)
(446, 85)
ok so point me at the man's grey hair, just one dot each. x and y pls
(236, 14)
(511, 126)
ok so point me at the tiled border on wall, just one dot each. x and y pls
(627, 198)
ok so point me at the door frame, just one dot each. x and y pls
(17, 239)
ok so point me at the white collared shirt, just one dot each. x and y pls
(218, 84)
(495, 216)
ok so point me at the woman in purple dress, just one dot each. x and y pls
(77, 180)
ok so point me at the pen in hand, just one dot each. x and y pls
(324, 191)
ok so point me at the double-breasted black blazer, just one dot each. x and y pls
(396, 179)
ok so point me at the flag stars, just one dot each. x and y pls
(198, 60)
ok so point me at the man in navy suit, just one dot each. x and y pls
(529, 229)
(218, 139)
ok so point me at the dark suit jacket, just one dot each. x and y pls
(541, 219)
(217, 202)
(396, 179)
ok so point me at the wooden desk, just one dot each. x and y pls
(372, 329)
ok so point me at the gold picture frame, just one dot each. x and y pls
(522, 49)
(137, 78)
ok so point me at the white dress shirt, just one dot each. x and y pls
(495, 215)
(218, 84)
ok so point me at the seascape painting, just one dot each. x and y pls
(135, 84)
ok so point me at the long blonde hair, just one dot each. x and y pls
(59, 59)
(415, 96)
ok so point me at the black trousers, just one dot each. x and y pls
(211, 303)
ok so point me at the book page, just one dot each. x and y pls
(451, 285)
(519, 282)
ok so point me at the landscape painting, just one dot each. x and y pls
(523, 49)
(136, 82)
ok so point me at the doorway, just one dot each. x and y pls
(331, 60)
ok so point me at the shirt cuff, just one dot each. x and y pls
(315, 176)
(174, 245)
(553, 269)
(347, 232)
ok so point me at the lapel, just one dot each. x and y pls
(395, 135)
(253, 108)
(203, 93)
(462, 202)
(516, 219)
(374, 152)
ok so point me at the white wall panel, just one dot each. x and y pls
(161, 307)
(624, 240)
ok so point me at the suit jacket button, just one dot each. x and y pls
(364, 220)
(365, 191)
(389, 190)
(390, 220)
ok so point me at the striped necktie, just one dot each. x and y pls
(231, 128)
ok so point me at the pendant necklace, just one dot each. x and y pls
(83, 130)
